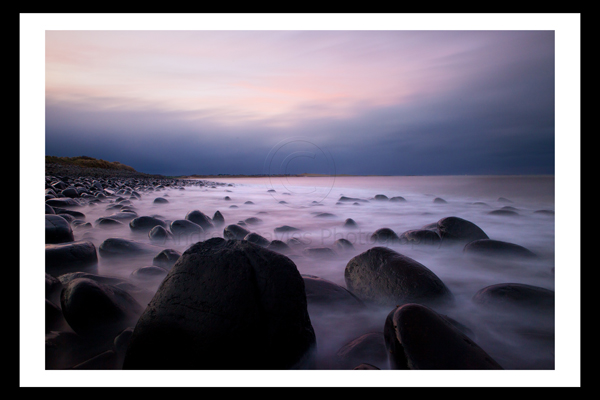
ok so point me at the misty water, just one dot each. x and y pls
(515, 341)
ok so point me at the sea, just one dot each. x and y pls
(514, 341)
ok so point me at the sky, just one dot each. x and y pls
(335, 101)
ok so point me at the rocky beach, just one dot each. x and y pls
(145, 272)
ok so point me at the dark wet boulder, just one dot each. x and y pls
(253, 221)
(419, 338)
(516, 296)
(49, 209)
(225, 304)
(285, 228)
(71, 257)
(497, 248)
(71, 219)
(166, 258)
(343, 245)
(279, 246)
(218, 219)
(120, 344)
(53, 316)
(383, 276)
(160, 200)
(93, 309)
(151, 273)
(58, 229)
(184, 227)
(457, 230)
(121, 247)
(366, 366)
(504, 212)
(544, 212)
(53, 289)
(324, 253)
(350, 223)
(420, 237)
(258, 239)
(159, 235)
(121, 283)
(352, 199)
(368, 348)
(235, 232)
(324, 293)
(74, 213)
(439, 200)
(384, 235)
(70, 192)
(145, 223)
(397, 199)
(63, 202)
(381, 197)
(325, 215)
(108, 223)
(65, 349)
(106, 360)
(199, 218)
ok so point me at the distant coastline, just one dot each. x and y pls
(84, 165)
(196, 176)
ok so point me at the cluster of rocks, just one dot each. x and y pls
(239, 302)
(77, 171)
(453, 231)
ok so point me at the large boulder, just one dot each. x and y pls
(218, 219)
(166, 258)
(417, 337)
(235, 232)
(322, 292)
(63, 202)
(54, 317)
(366, 349)
(384, 235)
(65, 349)
(516, 296)
(225, 304)
(121, 247)
(279, 246)
(258, 239)
(184, 228)
(198, 217)
(58, 229)
(145, 223)
(454, 230)
(383, 276)
(53, 289)
(93, 309)
(160, 235)
(62, 258)
(497, 248)
(121, 283)
(420, 237)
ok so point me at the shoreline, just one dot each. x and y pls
(354, 176)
